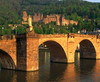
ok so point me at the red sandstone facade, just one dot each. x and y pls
(60, 20)
(37, 17)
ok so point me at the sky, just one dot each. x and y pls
(93, 1)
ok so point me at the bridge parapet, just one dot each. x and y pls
(81, 35)
(30, 35)
(71, 35)
(52, 35)
(27, 35)
(7, 37)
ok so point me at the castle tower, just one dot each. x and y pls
(57, 19)
(62, 20)
(41, 16)
(37, 17)
(25, 17)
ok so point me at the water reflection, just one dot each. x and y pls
(84, 65)
(57, 71)
(7, 76)
(81, 71)
(84, 68)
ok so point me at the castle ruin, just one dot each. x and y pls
(59, 19)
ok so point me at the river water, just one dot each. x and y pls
(80, 71)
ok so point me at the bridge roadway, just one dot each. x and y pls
(21, 52)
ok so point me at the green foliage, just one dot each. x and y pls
(51, 31)
(20, 30)
(51, 28)
(5, 30)
(38, 30)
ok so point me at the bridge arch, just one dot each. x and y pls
(87, 49)
(6, 61)
(57, 53)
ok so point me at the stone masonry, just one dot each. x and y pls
(22, 52)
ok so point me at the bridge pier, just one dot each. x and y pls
(70, 58)
(27, 53)
(97, 55)
(71, 50)
(32, 54)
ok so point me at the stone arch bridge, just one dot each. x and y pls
(21, 52)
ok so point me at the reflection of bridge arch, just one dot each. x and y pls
(85, 65)
(6, 61)
(56, 50)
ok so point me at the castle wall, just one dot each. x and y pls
(37, 17)
(49, 18)
(60, 20)
(73, 22)
(67, 22)
(64, 22)
(25, 16)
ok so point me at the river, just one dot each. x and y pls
(80, 71)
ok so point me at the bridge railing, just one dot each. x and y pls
(41, 35)
(52, 35)
(73, 35)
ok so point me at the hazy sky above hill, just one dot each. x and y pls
(93, 1)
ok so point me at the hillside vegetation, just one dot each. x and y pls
(11, 11)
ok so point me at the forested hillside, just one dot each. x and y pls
(11, 10)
